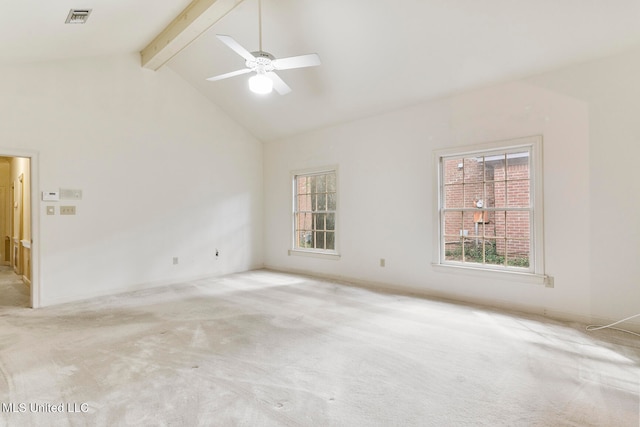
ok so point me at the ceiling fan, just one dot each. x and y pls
(264, 64)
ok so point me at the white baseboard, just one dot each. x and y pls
(443, 296)
(64, 299)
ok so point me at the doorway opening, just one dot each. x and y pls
(16, 231)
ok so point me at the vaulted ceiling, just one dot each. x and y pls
(376, 55)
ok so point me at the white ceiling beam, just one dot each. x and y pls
(194, 20)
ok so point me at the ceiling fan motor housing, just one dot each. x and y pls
(261, 62)
(265, 64)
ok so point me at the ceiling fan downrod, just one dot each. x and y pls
(260, 25)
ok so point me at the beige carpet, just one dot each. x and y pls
(13, 292)
(270, 349)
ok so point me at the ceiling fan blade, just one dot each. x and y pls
(235, 46)
(310, 60)
(278, 84)
(231, 74)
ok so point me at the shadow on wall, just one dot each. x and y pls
(179, 245)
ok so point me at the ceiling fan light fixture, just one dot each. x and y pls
(260, 84)
(264, 64)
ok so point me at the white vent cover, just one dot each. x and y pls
(77, 16)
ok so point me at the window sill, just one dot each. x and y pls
(332, 256)
(532, 278)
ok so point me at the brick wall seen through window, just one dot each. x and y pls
(486, 209)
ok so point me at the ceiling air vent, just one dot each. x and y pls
(77, 16)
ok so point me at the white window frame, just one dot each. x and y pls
(533, 144)
(314, 252)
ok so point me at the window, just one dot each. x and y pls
(490, 206)
(314, 219)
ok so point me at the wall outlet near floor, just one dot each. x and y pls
(67, 210)
(175, 260)
(548, 282)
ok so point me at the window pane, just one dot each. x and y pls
(500, 227)
(499, 194)
(473, 251)
(322, 202)
(308, 225)
(497, 166)
(304, 221)
(331, 183)
(491, 253)
(331, 221)
(304, 202)
(319, 240)
(480, 217)
(453, 173)
(302, 185)
(311, 184)
(453, 249)
(489, 171)
(453, 196)
(473, 169)
(518, 194)
(468, 226)
(518, 224)
(331, 241)
(331, 202)
(321, 184)
(474, 230)
(489, 223)
(305, 239)
(452, 224)
(518, 253)
(489, 195)
(518, 166)
(314, 202)
(319, 221)
(489, 226)
(473, 193)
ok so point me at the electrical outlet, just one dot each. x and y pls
(51, 210)
(67, 210)
(548, 282)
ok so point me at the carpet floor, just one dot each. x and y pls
(13, 292)
(270, 349)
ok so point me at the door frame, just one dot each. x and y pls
(34, 182)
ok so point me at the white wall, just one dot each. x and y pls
(610, 89)
(164, 174)
(588, 118)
